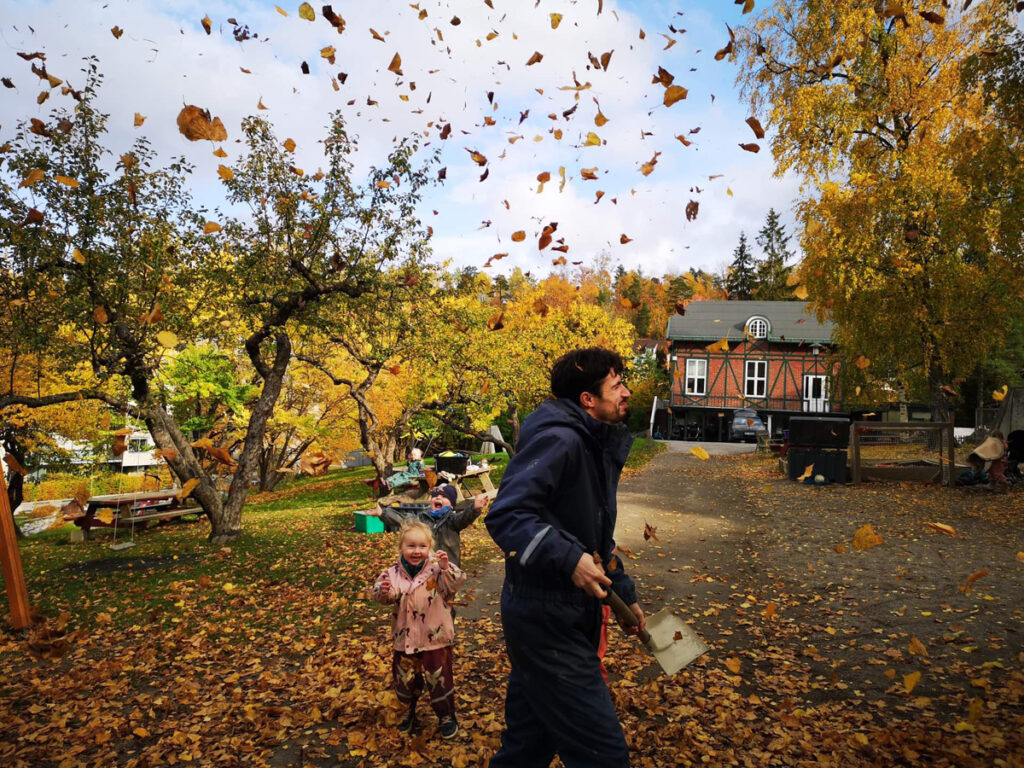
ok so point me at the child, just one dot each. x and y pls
(421, 587)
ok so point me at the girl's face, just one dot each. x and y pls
(415, 547)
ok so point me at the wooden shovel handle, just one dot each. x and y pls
(625, 615)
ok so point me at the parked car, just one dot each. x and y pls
(745, 426)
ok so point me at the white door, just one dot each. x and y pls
(815, 393)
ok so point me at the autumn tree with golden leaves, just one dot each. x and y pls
(895, 116)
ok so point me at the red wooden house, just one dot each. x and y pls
(771, 357)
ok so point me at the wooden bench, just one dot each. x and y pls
(133, 508)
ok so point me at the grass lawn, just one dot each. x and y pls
(177, 651)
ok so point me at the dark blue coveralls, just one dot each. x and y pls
(557, 502)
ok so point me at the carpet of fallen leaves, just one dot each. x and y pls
(821, 654)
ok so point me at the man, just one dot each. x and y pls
(554, 513)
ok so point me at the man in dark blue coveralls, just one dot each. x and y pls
(554, 513)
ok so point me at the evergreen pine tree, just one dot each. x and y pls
(772, 271)
(741, 280)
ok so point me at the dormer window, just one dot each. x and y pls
(757, 328)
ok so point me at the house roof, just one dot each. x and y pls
(712, 320)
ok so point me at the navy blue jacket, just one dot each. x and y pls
(557, 499)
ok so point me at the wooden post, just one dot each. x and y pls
(951, 447)
(10, 555)
(855, 463)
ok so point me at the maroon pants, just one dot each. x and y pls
(432, 670)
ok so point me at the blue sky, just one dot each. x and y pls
(164, 59)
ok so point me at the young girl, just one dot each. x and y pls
(421, 586)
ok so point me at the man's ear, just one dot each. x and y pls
(587, 399)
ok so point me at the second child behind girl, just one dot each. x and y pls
(421, 586)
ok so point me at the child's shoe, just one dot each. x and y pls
(449, 727)
(408, 723)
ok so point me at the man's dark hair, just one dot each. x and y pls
(583, 370)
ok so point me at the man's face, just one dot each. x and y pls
(612, 405)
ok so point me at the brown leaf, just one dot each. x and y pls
(650, 532)
(518, 236)
(207, 24)
(589, 173)
(334, 19)
(195, 124)
(33, 176)
(866, 538)
(478, 158)
(14, 464)
(673, 94)
(647, 168)
(733, 665)
(755, 148)
(692, 208)
(979, 574)
(664, 77)
(537, 57)
(395, 65)
(755, 126)
(723, 52)
(932, 17)
(497, 322)
(623, 239)
(99, 315)
(916, 647)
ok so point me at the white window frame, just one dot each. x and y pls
(755, 378)
(758, 328)
(815, 404)
(698, 376)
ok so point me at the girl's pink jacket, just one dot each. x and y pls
(422, 620)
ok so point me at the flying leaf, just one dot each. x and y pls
(116, 32)
(207, 24)
(932, 17)
(139, 119)
(589, 173)
(556, 19)
(396, 64)
(769, 611)
(195, 124)
(673, 94)
(801, 292)
(916, 647)
(691, 210)
(650, 532)
(647, 168)
(99, 314)
(861, 362)
(942, 528)
(333, 19)
(911, 680)
(225, 173)
(105, 515)
(518, 236)
(280, 10)
(306, 12)
(866, 538)
(700, 453)
(808, 471)
(537, 56)
(755, 126)
(478, 158)
(1000, 394)
(78, 256)
(219, 152)
(35, 175)
(289, 145)
(755, 148)
(210, 227)
(979, 574)
(623, 239)
(67, 181)
(167, 339)
(497, 322)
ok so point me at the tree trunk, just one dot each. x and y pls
(514, 420)
(939, 401)
(227, 523)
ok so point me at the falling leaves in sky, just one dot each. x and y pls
(196, 124)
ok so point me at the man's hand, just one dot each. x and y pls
(589, 576)
(640, 618)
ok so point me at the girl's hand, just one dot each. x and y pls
(385, 587)
(442, 559)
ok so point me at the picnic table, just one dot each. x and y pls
(133, 509)
(419, 489)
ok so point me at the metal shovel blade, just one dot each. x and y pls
(673, 643)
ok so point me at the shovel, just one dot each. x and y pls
(670, 639)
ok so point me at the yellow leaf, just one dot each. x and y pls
(289, 144)
(139, 119)
(281, 10)
(306, 12)
(801, 292)
(733, 664)
(722, 345)
(100, 315)
(219, 152)
(105, 515)
(225, 173)
(210, 227)
(866, 538)
(78, 257)
(673, 94)
(700, 453)
(556, 19)
(167, 339)
(188, 487)
(808, 471)
(142, 733)
(1020, 557)
(1000, 394)
(36, 174)
(769, 611)
(861, 362)
(861, 739)
(593, 140)
(942, 528)
(911, 680)
(228, 587)
(916, 647)
(67, 181)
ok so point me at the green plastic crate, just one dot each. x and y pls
(368, 523)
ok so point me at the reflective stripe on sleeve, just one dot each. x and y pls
(533, 545)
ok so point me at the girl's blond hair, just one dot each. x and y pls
(412, 524)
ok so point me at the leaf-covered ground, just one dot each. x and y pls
(266, 653)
